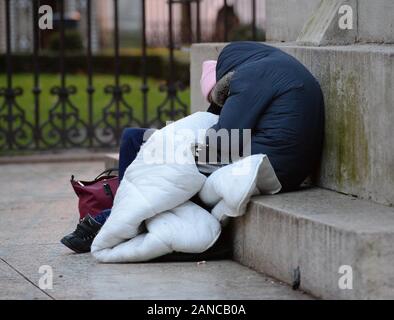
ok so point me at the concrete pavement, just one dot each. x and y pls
(37, 207)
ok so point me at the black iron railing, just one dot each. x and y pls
(64, 126)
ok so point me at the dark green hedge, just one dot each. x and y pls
(157, 66)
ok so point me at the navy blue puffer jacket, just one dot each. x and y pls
(276, 97)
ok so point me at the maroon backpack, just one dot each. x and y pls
(97, 195)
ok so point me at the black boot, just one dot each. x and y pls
(81, 239)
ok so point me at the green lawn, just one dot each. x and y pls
(80, 99)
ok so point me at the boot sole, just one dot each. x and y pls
(70, 246)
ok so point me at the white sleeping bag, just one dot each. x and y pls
(229, 189)
(162, 177)
(159, 192)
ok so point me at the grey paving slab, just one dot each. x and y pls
(42, 182)
(39, 207)
(81, 277)
(50, 157)
(14, 287)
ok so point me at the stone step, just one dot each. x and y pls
(316, 233)
(111, 160)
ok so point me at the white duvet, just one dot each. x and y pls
(157, 187)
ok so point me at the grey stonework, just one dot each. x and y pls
(287, 18)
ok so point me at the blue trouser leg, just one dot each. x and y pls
(130, 144)
(103, 216)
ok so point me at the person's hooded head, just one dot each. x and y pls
(232, 57)
(239, 53)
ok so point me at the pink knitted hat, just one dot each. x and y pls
(208, 77)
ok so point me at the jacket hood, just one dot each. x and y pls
(239, 53)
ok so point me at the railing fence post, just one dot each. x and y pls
(171, 84)
(198, 18)
(36, 75)
(117, 82)
(144, 86)
(8, 93)
(63, 89)
(225, 21)
(254, 29)
(90, 89)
